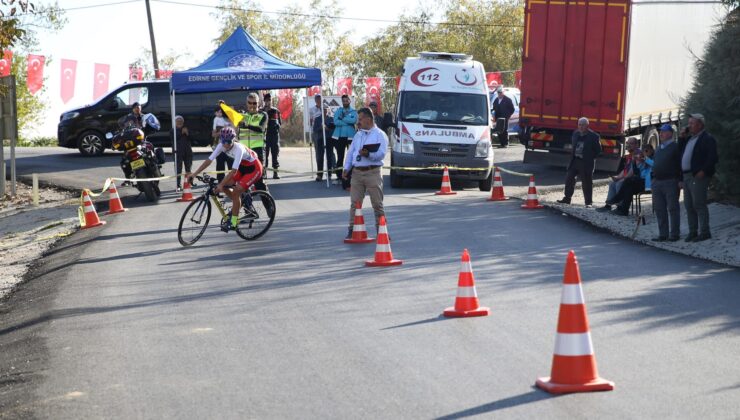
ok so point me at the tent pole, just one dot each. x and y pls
(326, 146)
(174, 132)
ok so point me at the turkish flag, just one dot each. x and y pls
(372, 92)
(518, 79)
(314, 90)
(35, 75)
(101, 80)
(135, 73)
(493, 80)
(164, 74)
(285, 103)
(344, 86)
(69, 73)
(5, 63)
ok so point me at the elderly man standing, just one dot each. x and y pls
(666, 176)
(253, 127)
(503, 109)
(698, 159)
(586, 146)
(365, 161)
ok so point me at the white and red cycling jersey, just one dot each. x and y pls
(246, 162)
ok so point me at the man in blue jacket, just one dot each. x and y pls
(698, 159)
(345, 119)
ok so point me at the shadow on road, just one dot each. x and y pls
(532, 396)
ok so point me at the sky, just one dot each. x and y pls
(116, 33)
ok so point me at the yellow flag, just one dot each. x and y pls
(232, 114)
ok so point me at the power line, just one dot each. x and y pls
(71, 9)
(308, 15)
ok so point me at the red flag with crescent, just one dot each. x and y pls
(69, 74)
(314, 90)
(35, 72)
(101, 73)
(372, 92)
(285, 103)
(135, 73)
(5, 62)
(493, 80)
(344, 86)
(518, 78)
(164, 74)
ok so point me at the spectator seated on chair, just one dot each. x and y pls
(624, 171)
(637, 183)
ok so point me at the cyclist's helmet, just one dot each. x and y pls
(227, 135)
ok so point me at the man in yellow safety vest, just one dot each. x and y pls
(253, 127)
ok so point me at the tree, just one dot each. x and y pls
(169, 61)
(716, 94)
(22, 26)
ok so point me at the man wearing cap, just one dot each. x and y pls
(586, 146)
(503, 108)
(698, 159)
(665, 179)
(321, 136)
(272, 138)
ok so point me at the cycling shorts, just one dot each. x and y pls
(248, 173)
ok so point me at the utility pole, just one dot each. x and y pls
(151, 38)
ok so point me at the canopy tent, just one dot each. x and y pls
(240, 63)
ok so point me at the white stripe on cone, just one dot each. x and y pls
(531, 196)
(358, 228)
(466, 267)
(465, 292)
(573, 344)
(382, 229)
(572, 295)
(89, 208)
(383, 248)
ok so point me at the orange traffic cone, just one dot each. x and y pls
(187, 195)
(532, 200)
(91, 216)
(114, 203)
(359, 233)
(573, 362)
(446, 188)
(466, 302)
(497, 194)
(383, 254)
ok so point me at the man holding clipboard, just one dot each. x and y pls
(365, 162)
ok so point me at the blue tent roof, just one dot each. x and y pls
(241, 63)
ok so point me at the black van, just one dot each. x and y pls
(84, 128)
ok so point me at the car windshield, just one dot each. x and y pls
(444, 108)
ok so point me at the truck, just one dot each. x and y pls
(623, 64)
(442, 120)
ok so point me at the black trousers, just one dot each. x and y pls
(184, 156)
(222, 162)
(272, 146)
(503, 131)
(584, 170)
(341, 145)
(630, 187)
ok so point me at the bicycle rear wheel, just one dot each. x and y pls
(194, 221)
(256, 217)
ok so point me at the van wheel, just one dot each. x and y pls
(650, 136)
(91, 144)
(485, 185)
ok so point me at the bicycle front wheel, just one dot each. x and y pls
(255, 218)
(194, 221)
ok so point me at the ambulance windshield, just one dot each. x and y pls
(444, 108)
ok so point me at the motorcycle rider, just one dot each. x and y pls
(136, 120)
(245, 172)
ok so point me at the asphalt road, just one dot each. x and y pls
(122, 322)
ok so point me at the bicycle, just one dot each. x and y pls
(255, 215)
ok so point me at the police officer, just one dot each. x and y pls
(253, 127)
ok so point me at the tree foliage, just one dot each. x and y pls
(716, 94)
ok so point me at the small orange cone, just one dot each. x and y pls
(532, 200)
(359, 233)
(383, 254)
(91, 216)
(446, 188)
(573, 362)
(114, 203)
(497, 194)
(187, 195)
(466, 302)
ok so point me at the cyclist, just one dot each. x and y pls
(245, 172)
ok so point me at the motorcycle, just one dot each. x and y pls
(140, 160)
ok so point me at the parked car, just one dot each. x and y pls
(513, 94)
(84, 128)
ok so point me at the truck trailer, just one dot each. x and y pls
(625, 65)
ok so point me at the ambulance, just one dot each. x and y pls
(442, 119)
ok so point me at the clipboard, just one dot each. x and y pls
(372, 147)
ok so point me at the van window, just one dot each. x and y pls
(444, 107)
(127, 97)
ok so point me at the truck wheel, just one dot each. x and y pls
(485, 185)
(650, 136)
(91, 143)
